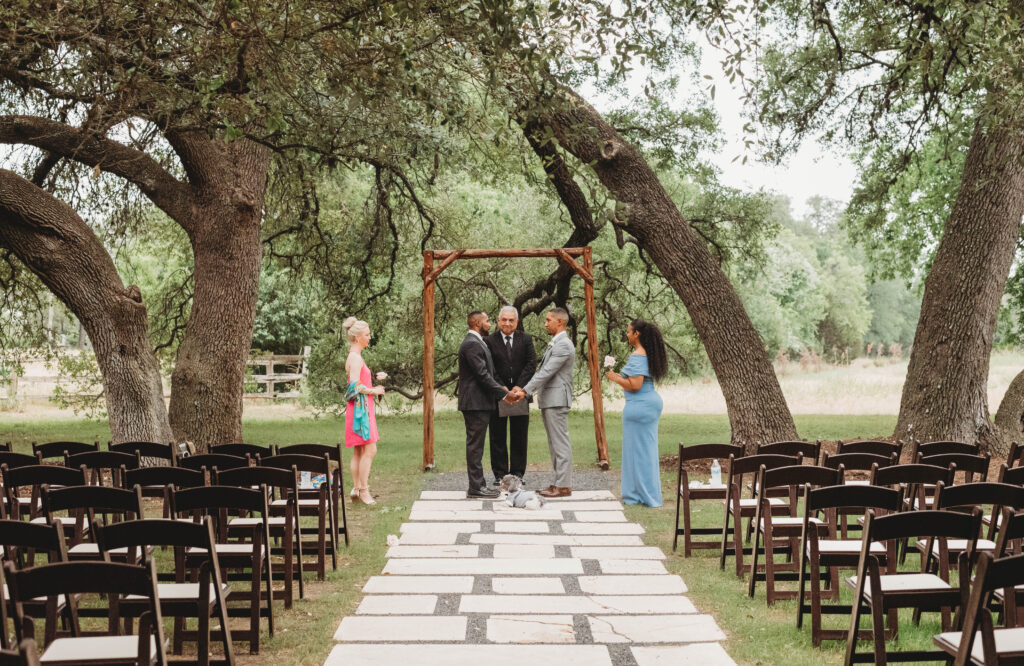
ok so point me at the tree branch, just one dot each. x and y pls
(135, 166)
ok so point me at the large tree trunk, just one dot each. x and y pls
(59, 247)
(757, 408)
(945, 396)
(1010, 415)
(227, 187)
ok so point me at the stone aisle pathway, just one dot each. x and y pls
(477, 582)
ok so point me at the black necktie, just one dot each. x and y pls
(508, 345)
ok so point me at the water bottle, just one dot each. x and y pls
(716, 473)
(305, 479)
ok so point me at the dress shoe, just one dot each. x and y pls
(555, 491)
(485, 493)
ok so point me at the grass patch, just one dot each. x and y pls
(757, 634)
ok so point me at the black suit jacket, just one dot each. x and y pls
(518, 369)
(477, 388)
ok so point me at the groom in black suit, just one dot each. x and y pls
(478, 396)
(515, 361)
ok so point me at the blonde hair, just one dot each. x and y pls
(354, 327)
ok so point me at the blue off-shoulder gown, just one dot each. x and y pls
(641, 479)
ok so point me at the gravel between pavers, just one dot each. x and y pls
(583, 479)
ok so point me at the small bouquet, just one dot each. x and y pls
(381, 376)
(609, 361)
(393, 540)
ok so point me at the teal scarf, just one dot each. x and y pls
(360, 415)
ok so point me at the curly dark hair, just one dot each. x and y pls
(654, 345)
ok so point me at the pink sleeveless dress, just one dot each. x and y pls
(352, 438)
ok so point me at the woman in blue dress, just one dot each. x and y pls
(641, 478)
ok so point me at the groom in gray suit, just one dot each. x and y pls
(552, 384)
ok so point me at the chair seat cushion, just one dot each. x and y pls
(94, 549)
(1009, 643)
(914, 582)
(63, 520)
(180, 592)
(787, 521)
(302, 502)
(250, 522)
(751, 502)
(845, 546)
(227, 549)
(88, 649)
(957, 545)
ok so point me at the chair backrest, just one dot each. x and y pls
(241, 449)
(1011, 530)
(857, 461)
(799, 475)
(970, 464)
(146, 450)
(1015, 457)
(97, 461)
(923, 524)
(943, 447)
(709, 452)
(20, 540)
(1006, 574)
(182, 477)
(110, 579)
(333, 451)
(113, 504)
(13, 460)
(867, 497)
(304, 463)
(979, 494)
(1011, 475)
(247, 477)
(6, 446)
(809, 450)
(874, 446)
(48, 450)
(210, 460)
(218, 502)
(739, 467)
(910, 474)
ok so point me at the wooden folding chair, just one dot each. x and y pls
(284, 527)
(877, 593)
(974, 467)
(737, 507)
(781, 532)
(319, 505)
(249, 558)
(337, 478)
(221, 461)
(202, 598)
(22, 542)
(685, 494)
(979, 642)
(831, 551)
(853, 462)
(98, 462)
(88, 506)
(22, 485)
(111, 580)
(10, 460)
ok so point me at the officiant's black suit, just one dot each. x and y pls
(515, 369)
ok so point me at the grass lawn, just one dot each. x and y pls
(757, 634)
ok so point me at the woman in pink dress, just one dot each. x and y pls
(360, 421)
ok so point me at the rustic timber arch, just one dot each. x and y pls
(447, 258)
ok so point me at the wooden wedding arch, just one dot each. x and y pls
(447, 258)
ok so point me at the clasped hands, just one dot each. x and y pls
(515, 395)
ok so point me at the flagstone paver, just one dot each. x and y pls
(475, 581)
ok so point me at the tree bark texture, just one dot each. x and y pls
(945, 393)
(227, 184)
(59, 247)
(757, 408)
(1010, 415)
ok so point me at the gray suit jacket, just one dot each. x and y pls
(552, 383)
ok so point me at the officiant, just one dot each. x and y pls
(515, 361)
